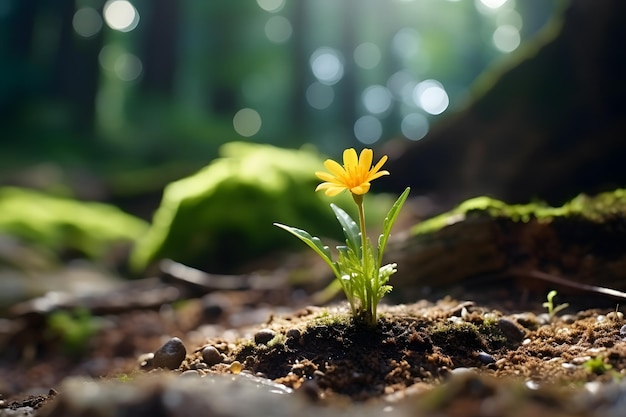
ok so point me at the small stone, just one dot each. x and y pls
(190, 374)
(199, 365)
(293, 334)
(622, 331)
(485, 358)
(211, 355)
(214, 307)
(235, 367)
(511, 330)
(532, 385)
(263, 336)
(615, 315)
(461, 370)
(170, 355)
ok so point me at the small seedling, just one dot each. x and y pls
(552, 309)
(359, 268)
(597, 366)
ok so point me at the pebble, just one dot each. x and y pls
(211, 355)
(510, 330)
(485, 358)
(622, 331)
(170, 355)
(615, 315)
(461, 370)
(293, 334)
(263, 336)
(235, 367)
(214, 307)
(532, 385)
(190, 374)
(527, 320)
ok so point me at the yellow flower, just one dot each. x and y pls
(355, 174)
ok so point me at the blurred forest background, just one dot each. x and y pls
(107, 100)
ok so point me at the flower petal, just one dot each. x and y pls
(379, 174)
(335, 168)
(325, 176)
(350, 160)
(334, 190)
(365, 162)
(379, 165)
(360, 189)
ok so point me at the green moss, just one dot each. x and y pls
(458, 335)
(61, 224)
(224, 214)
(595, 209)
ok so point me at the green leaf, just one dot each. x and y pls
(350, 230)
(389, 221)
(313, 242)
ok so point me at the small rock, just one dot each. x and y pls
(622, 331)
(214, 307)
(211, 355)
(190, 374)
(170, 355)
(293, 334)
(510, 330)
(263, 336)
(235, 367)
(615, 315)
(485, 358)
(199, 365)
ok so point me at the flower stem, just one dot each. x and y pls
(369, 309)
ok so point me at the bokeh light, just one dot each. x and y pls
(327, 65)
(368, 129)
(376, 99)
(247, 122)
(127, 67)
(414, 126)
(320, 96)
(87, 22)
(401, 85)
(367, 55)
(506, 38)
(271, 6)
(108, 55)
(405, 43)
(278, 29)
(121, 15)
(431, 96)
(493, 4)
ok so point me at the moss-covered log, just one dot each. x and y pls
(582, 242)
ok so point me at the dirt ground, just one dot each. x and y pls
(320, 351)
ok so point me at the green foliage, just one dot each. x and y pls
(62, 224)
(73, 329)
(549, 304)
(597, 366)
(358, 268)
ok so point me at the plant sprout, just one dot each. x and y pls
(359, 267)
(552, 309)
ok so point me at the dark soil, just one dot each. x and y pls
(321, 350)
